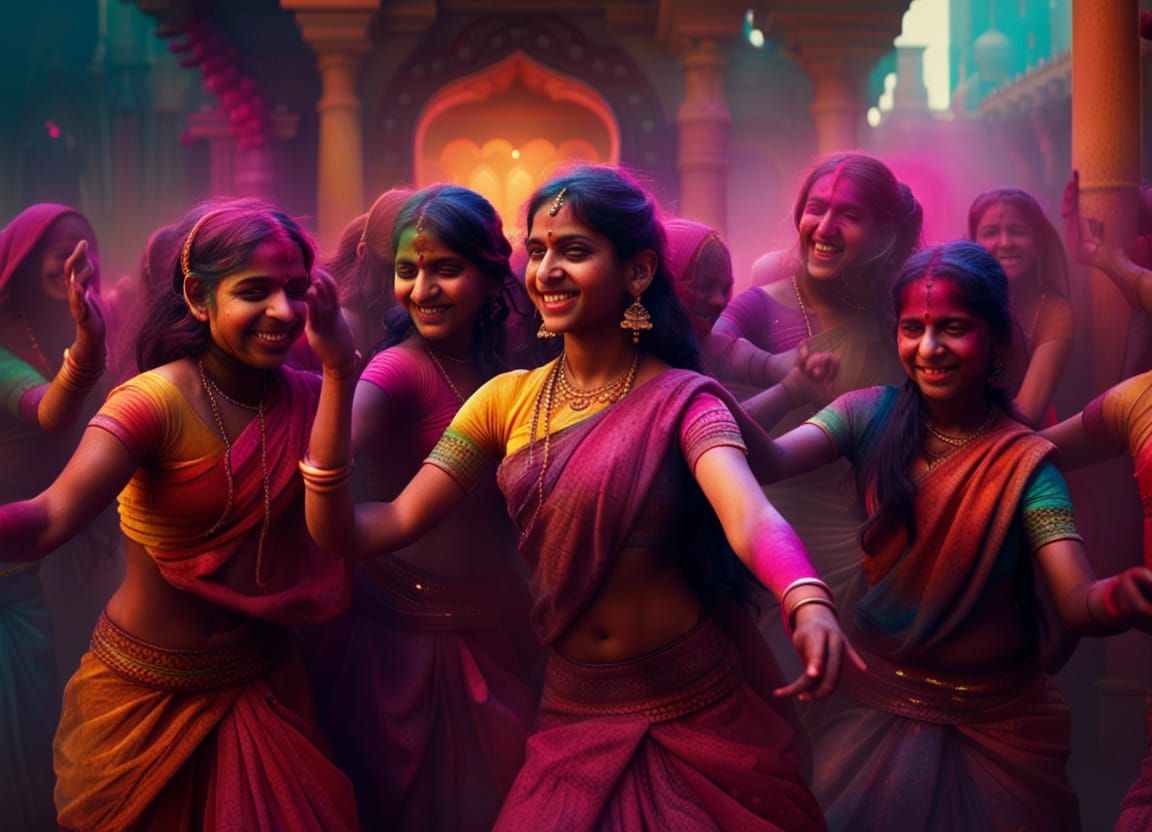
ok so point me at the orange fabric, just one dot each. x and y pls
(1055, 322)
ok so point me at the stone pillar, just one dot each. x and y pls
(337, 31)
(213, 126)
(837, 103)
(703, 119)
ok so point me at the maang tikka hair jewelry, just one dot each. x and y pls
(186, 255)
(636, 318)
(556, 205)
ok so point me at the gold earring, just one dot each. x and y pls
(544, 332)
(636, 318)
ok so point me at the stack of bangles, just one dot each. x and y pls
(75, 377)
(790, 611)
(325, 480)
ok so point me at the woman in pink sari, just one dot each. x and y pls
(955, 726)
(190, 711)
(48, 267)
(626, 478)
(423, 685)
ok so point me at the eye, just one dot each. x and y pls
(450, 269)
(535, 252)
(297, 289)
(911, 328)
(405, 271)
(576, 252)
(957, 329)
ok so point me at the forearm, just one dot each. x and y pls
(24, 530)
(62, 400)
(738, 361)
(1086, 610)
(771, 406)
(328, 505)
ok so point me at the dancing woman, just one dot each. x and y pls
(48, 267)
(190, 710)
(955, 726)
(423, 684)
(620, 469)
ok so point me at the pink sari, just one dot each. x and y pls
(686, 738)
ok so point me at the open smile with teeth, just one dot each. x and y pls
(558, 297)
(935, 372)
(272, 337)
(825, 248)
(431, 310)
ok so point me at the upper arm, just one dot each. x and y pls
(1078, 449)
(370, 412)
(99, 469)
(1045, 369)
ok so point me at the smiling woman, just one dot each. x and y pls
(202, 448)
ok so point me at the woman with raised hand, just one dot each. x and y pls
(423, 685)
(626, 476)
(190, 711)
(49, 267)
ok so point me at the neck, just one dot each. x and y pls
(238, 380)
(836, 296)
(456, 345)
(959, 417)
(596, 361)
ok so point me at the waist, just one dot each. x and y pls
(165, 668)
(687, 675)
(409, 598)
(940, 696)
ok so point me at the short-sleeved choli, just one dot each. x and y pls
(1121, 417)
(17, 377)
(497, 421)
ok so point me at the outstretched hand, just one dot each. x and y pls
(811, 377)
(83, 301)
(328, 333)
(1129, 598)
(822, 646)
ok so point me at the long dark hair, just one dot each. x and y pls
(882, 473)
(1052, 263)
(362, 263)
(467, 224)
(611, 202)
(897, 211)
(231, 231)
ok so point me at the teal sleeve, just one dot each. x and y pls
(1047, 508)
(16, 378)
(850, 420)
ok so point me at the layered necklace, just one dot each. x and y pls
(211, 390)
(547, 400)
(436, 355)
(956, 442)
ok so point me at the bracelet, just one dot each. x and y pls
(350, 369)
(1088, 607)
(325, 480)
(812, 599)
(75, 377)
(799, 582)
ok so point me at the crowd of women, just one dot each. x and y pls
(439, 534)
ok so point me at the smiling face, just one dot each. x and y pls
(258, 312)
(574, 277)
(945, 349)
(837, 227)
(54, 250)
(442, 291)
(1004, 232)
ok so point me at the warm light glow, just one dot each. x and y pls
(515, 153)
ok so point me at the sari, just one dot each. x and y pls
(908, 745)
(160, 738)
(688, 737)
(424, 685)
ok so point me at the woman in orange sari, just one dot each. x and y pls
(190, 711)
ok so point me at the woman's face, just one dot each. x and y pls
(710, 288)
(1005, 233)
(837, 227)
(442, 291)
(573, 276)
(54, 249)
(944, 348)
(258, 312)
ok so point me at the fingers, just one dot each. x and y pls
(77, 267)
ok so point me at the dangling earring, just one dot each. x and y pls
(636, 318)
(999, 377)
(544, 332)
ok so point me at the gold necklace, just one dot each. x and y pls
(208, 384)
(448, 356)
(45, 366)
(580, 399)
(444, 374)
(800, 303)
(219, 392)
(961, 441)
(545, 401)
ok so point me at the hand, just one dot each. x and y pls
(328, 333)
(810, 379)
(821, 644)
(84, 304)
(1128, 598)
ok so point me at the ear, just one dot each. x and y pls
(196, 297)
(641, 270)
(360, 249)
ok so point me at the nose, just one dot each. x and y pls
(280, 306)
(426, 286)
(1004, 239)
(929, 342)
(828, 224)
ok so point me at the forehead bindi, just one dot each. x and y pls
(932, 298)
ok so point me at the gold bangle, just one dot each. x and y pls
(811, 599)
(799, 582)
(325, 480)
(75, 377)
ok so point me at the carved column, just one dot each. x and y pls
(338, 34)
(703, 119)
